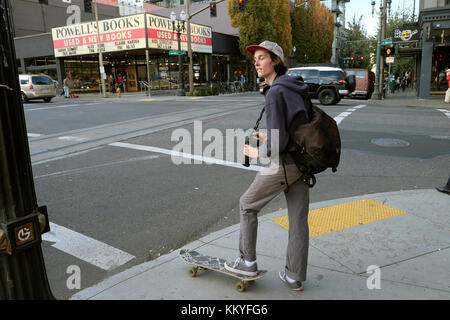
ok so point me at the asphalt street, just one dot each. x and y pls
(116, 198)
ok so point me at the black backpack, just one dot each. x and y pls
(316, 145)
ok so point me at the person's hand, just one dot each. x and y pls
(261, 136)
(251, 152)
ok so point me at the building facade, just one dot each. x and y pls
(56, 37)
(432, 50)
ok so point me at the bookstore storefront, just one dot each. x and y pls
(125, 42)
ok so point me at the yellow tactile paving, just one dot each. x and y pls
(344, 216)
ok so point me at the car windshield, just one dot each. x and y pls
(40, 80)
(331, 75)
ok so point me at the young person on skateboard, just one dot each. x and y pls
(285, 109)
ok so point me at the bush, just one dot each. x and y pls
(205, 91)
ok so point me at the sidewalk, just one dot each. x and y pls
(405, 233)
(409, 99)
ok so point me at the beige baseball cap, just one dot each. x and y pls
(269, 46)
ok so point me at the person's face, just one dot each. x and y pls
(263, 63)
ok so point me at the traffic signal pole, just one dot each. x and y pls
(188, 31)
(22, 221)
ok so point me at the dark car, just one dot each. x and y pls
(328, 84)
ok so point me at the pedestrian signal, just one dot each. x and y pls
(389, 51)
(212, 9)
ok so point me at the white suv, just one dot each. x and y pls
(37, 86)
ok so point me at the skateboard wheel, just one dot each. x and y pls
(240, 286)
(193, 271)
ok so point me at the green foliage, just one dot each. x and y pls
(312, 31)
(255, 25)
(357, 44)
(397, 20)
(204, 91)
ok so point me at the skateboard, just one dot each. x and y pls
(204, 262)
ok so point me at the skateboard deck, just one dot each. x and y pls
(201, 261)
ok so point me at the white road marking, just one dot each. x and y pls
(86, 248)
(185, 155)
(64, 106)
(446, 112)
(33, 135)
(70, 138)
(172, 153)
(345, 114)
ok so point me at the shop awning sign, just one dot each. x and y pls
(161, 35)
(119, 34)
(127, 33)
(406, 35)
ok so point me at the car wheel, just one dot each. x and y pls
(327, 97)
(24, 97)
(47, 99)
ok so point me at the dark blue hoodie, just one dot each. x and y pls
(285, 110)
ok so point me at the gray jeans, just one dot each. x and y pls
(264, 188)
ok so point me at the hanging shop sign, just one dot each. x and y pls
(406, 35)
(119, 34)
(161, 36)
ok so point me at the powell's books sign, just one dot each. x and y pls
(406, 35)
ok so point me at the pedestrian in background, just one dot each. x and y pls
(447, 93)
(284, 107)
(446, 188)
(66, 85)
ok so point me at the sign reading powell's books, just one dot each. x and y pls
(406, 35)
(127, 33)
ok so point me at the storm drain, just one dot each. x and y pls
(343, 216)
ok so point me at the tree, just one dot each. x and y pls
(312, 31)
(397, 20)
(258, 23)
(356, 45)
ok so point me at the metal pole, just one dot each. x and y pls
(189, 48)
(149, 93)
(100, 56)
(383, 36)
(376, 93)
(22, 269)
(180, 64)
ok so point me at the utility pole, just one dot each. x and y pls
(383, 36)
(22, 221)
(189, 51)
(100, 55)
(189, 48)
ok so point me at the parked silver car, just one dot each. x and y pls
(37, 86)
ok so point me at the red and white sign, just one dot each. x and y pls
(161, 35)
(127, 33)
(119, 34)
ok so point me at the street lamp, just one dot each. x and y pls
(293, 56)
(178, 28)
